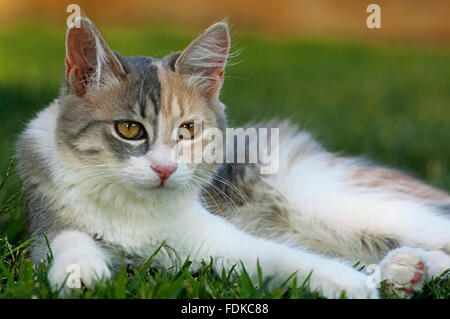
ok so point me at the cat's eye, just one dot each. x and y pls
(130, 130)
(187, 131)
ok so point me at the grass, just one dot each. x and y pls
(390, 103)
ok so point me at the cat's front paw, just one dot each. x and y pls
(68, 273)
(404, 272)
(346, 280)
(356, 288)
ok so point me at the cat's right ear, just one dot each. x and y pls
(90, 63)
(205, 58)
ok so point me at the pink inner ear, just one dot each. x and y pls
(69, 66)
(80, 48)
(215, 81)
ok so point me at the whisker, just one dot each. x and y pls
(225, 182)
(225, 196)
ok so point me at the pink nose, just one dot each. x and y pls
(164, 172)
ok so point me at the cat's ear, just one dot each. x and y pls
(90, 63)
(204, 60)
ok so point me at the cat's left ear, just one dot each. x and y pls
(204, 60)
(90, 63)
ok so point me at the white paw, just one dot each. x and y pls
(68, 273)
(403, 271)
(354, 283)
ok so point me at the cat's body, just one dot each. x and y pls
(96, 196)
(341, 207)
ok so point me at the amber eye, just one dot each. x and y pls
(130, 130)
(186, 131)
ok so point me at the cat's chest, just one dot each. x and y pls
(138, 232)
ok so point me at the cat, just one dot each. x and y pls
(102, 184)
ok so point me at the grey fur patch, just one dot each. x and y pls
(145, 85)
(171, 59)
(445, 209)
(224, 190)
(73, 138)
(83, 130)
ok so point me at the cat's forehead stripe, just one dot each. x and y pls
(145, 86)
(176, 108)
(150, 96)
(172, 93)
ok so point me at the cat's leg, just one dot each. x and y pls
(76, 254)
(214, 237)
(406, 270)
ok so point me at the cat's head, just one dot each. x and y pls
(121, 117)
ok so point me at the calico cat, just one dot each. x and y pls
(102, 184)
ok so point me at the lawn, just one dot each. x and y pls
(387, 102)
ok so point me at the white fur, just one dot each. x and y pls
(75, 248)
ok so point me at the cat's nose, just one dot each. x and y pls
(164, 171)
